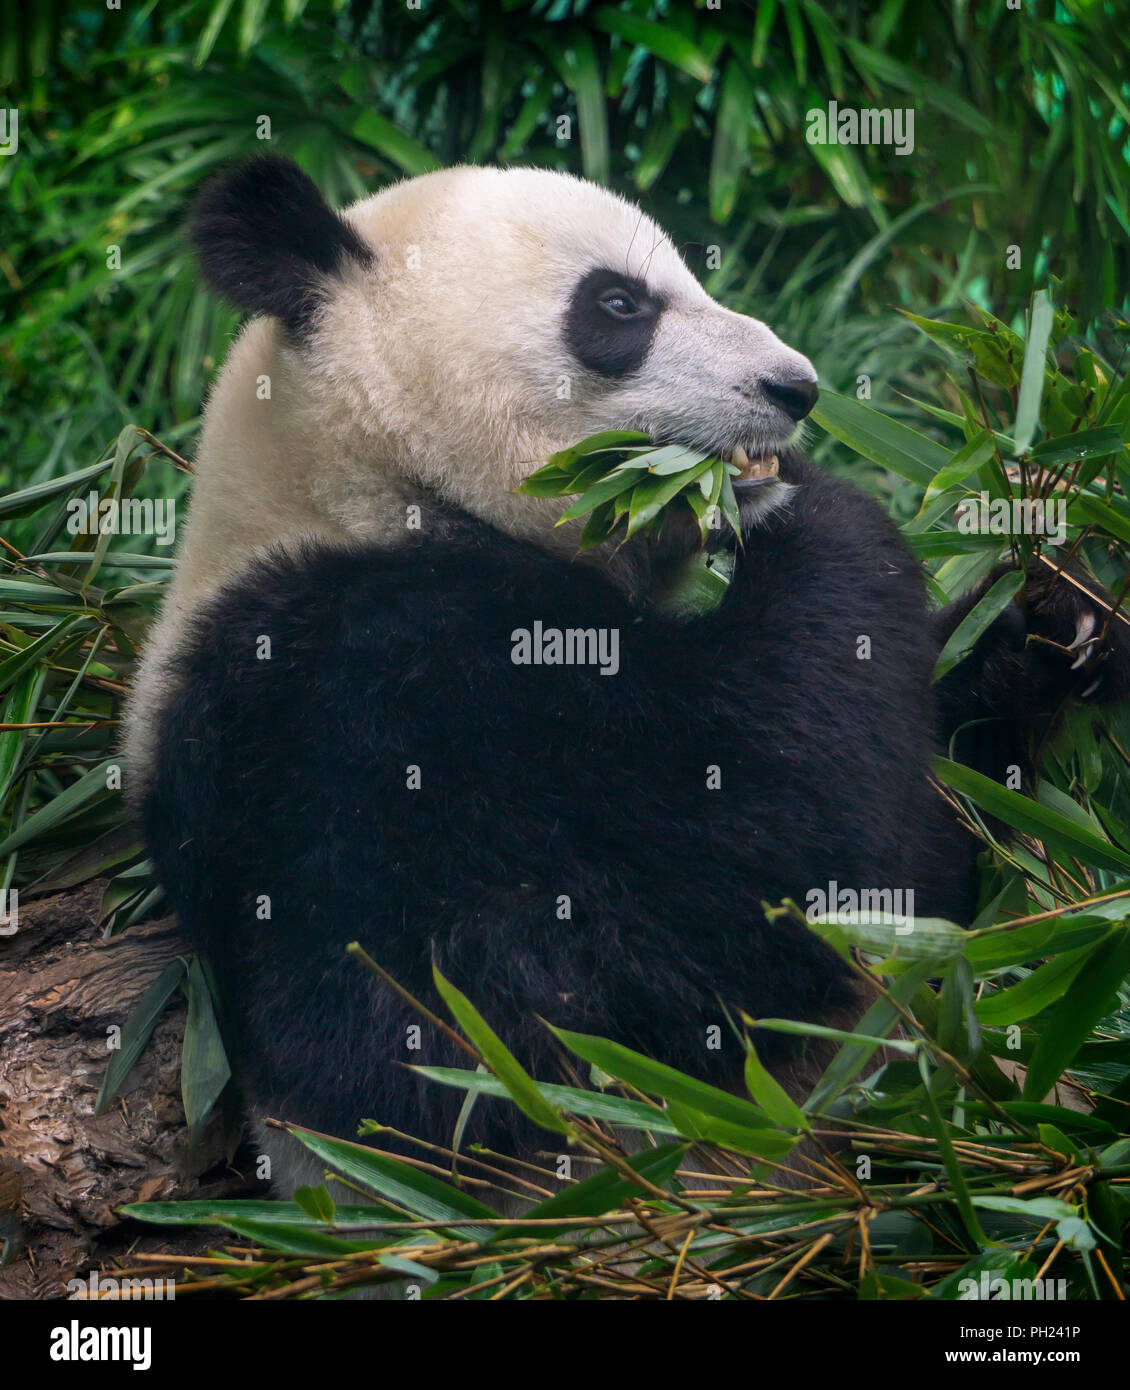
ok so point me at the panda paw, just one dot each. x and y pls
(1076, 632)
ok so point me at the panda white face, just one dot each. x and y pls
(535, 300)
(443, 337)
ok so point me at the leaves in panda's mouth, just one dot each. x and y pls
(625, 485)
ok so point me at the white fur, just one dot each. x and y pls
(442, 369)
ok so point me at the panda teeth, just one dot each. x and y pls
(752, 470)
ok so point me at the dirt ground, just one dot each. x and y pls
(63, 1171)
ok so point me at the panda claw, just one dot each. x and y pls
(1083, 639)
(1084, 627)
(1090, 690)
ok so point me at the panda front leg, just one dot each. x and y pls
(1064, 638)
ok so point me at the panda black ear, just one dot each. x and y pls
(267, 240)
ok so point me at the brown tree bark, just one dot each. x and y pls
(63, 1170)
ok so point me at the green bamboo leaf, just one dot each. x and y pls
(1031, 1110)
(1029, 817)
(19, 707)
(1037, 1209)
(1032, 377)
(632, 1114)
(1083, 444)
(731, 141)
(884, 441)
(599, 527)
(1090, 997)
(653, 494)
(137, 1030)
(316, 1202)
(729, 503)
(762, 27)
(940, 545)
(13, 667)
(532, 113)
(1035, 992)
(400, 1184)
(855, 1038)
(769, 1144)
(855, 1052)
(381, 135)
(87, 791)
(500, 1059)
(211, 31)
(999, 947)
(799, 44)
(204, 1070)
(26, 500)
(294, 1239)
(989, 353)
(978, 620)
(888, 72)
(769, 1094)
(660, 39)
(996, 1264)
(603, 491)
(605, 1190)
(266, 1211)
(950, 1161)
(251, 23)
(549, 481)
(1084, 510)
(576, 60)
(654, 1078)
(921, 938)
(659, 145)
(966, 461)
(674, 459)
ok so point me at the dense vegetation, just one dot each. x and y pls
(1005, 377)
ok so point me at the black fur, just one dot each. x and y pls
(608, 342)
(996, 705)
(287, 778)
(268, 242)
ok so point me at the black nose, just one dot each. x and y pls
(796, 398)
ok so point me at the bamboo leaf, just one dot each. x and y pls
(884, 441)
(1032, 376)
(498, 1057)
(978, 620)
(1029, 817)
(1090, 996)
(137, 1030)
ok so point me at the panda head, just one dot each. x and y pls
(445, 335)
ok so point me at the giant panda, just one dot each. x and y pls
(331, 738)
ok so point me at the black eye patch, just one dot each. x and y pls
(611, 322)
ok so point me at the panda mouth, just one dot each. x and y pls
(752, 472)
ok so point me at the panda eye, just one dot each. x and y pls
(618, 303)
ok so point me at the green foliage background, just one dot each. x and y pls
(1022, 127)
(998, 380)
